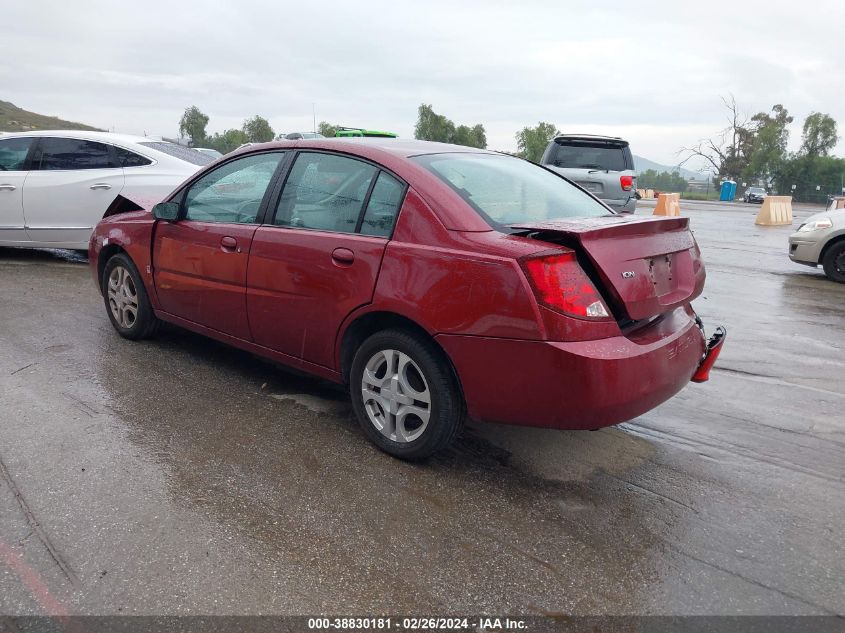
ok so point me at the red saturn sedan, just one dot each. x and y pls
(438, 282)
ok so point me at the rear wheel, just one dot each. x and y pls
(127, 303)
(405, 395)
(834, 262)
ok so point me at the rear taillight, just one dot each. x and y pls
(627, 182)
(561, 284)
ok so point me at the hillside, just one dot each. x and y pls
(15, 119)
(643, 164)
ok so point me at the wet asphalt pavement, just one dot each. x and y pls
(179, 476)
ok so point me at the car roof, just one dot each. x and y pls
(108, 137)
(371, 146)
(392, 154)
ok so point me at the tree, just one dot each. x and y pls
(729, 152)
(662, 181)
(807, 172)
(327, 129)
(230, 140)
(819, 134)
(258, 130)
(769, 144)
(470, 136)
(432, 126)
(436, 127)
(192, 124)
(479, 136)
(532, 141)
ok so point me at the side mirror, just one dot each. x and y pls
(166, 211)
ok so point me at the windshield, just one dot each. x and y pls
(756, 190)
(182, 153)
(506, 190)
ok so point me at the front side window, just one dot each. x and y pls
(509, 191)
(325, 192)
(233, 192)
(71, 154)
(13, 153)
(383, 206)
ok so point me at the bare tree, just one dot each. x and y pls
(729, 151)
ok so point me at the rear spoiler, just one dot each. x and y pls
(591, 140)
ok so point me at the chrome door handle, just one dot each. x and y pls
(101, 185)
(8, 187)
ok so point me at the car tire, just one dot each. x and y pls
(127, 303)
(393, 374)
(834, 262)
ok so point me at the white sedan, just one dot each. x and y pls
(55, 186)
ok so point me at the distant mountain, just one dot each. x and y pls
(643, 164)
(15, 119)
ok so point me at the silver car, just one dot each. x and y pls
(821, 241)
(603, 165)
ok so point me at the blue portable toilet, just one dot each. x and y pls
(728, 191)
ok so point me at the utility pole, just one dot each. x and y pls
(314, 114)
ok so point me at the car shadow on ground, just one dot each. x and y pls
(550, 454)
(45, 255)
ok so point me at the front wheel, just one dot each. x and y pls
(405, 394)
(127, 303)
(834, 262)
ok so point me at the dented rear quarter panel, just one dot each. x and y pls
(444, 281)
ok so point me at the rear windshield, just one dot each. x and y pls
(505, 190)
(586, 155)
(182, 153)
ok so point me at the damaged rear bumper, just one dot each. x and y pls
(714, 347)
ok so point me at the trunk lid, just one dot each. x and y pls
(644, 266)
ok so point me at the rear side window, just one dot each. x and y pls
(182, 153)
(324, 192)
(586, 155)
(383, 206)
(509, 191)
(70, 154)
(13, 153)
(125, 158)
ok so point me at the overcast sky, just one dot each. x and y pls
(651, 72)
